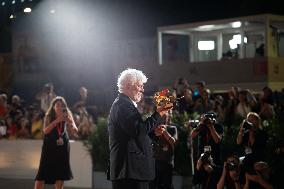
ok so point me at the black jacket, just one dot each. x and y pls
(130, 147)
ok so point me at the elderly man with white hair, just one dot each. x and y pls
(131, 159)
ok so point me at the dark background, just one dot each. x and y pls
(144, 16)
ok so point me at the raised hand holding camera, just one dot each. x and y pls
(246, 126)
(159, 131)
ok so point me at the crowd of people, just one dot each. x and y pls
(18, 121)
(218, 114)
(246, 164)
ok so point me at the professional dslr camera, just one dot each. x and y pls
(231, 166)
(206, 155)
(247, 125)
(207, 118)
(210, 117)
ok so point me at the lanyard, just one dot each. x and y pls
(59, 128)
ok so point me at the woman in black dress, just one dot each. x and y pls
(54, 165)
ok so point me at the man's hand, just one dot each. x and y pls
(160, 130)
(253, 178)
(162, 110)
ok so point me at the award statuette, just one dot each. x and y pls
(165, 100)
(59, 141)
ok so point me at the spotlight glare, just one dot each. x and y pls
(22, 1)
(3, 3)
(236, 24)
(206, 27)
(206, 45)
(52, 11)
(27, 10)
(13, 2)
(233, 44)
(12, 16)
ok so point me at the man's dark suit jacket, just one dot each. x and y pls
(130, 146)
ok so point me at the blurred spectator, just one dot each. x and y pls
(218, 107)
(186, 103)
(16, 108)
(11, 128)
(179, 86)
(45, 96)
(267, 104)
(3, 106)
(85, 122)
(199, 106)
(83, 104)
(23, 129)
(37, 125)
(253, 102)
(259, 177)
(230, 107)
(201, 96)
(267, 95)
(72, 135)
(3, 129)
(83, 92)
(230, 178)
(200, 90)
(253, 137)
(243, 107)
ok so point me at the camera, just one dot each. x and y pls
(231, 166)
(210, 117)
(247, 126)
(64, 110)
(193, 123)
(206, 156)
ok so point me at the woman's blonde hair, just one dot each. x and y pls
(253, 114)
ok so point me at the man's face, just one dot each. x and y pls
(136, 91)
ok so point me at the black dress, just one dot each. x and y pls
(55, 159)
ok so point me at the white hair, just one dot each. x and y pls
(130, 77)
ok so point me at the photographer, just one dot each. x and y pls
(164, 138)
(259, 177)
(252, 136)
(209, 133)
(230, 178)
(45, 96)
(207, 173)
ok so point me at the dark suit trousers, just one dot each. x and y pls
(130, 184)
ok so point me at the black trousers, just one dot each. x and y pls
(163, 179)
(130, 184)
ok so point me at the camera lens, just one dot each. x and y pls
(232, 166)
(247, 125)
